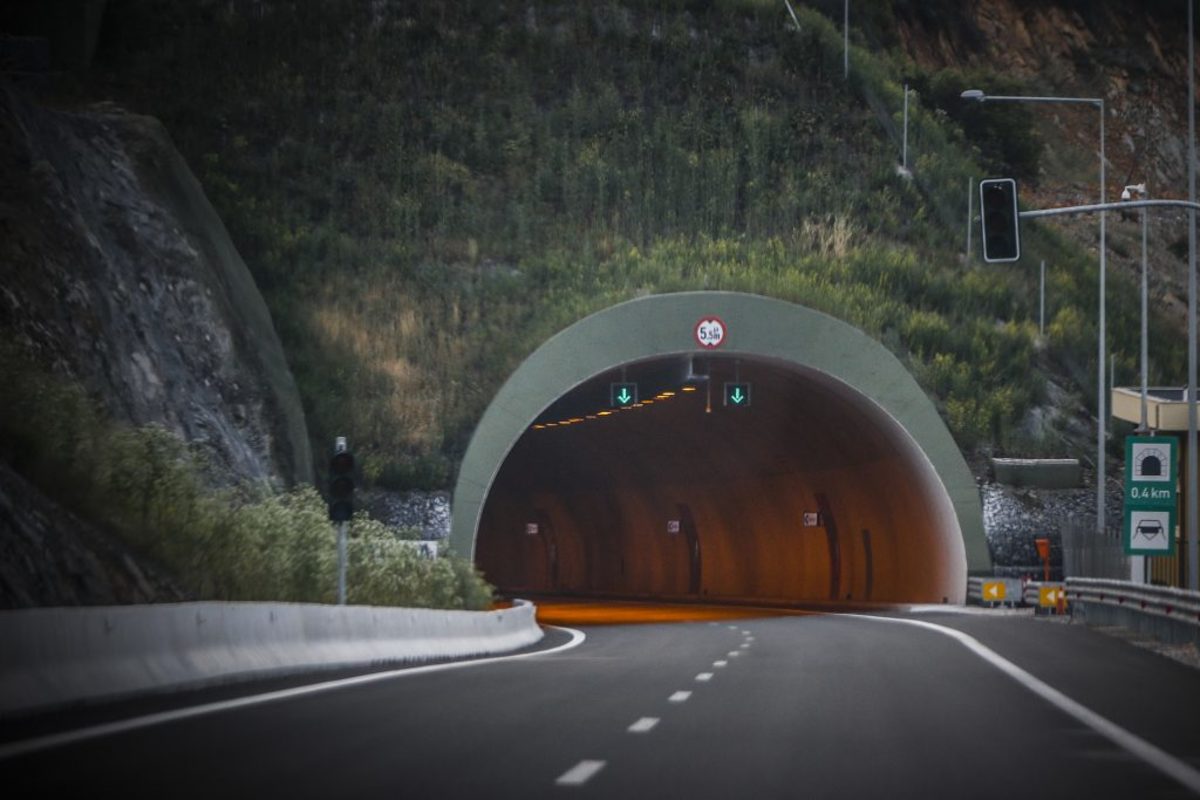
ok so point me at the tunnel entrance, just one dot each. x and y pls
(792, 460)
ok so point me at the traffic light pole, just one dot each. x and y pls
(341, 504)
(341, 546)
(1190, 493)
(1123, 204)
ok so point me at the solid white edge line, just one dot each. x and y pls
(26, 746)
(1159, 759)
(581, 773)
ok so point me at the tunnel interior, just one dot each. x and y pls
(808, 492)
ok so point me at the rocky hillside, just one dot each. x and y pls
(1134, 56)
(119, 278)
(119, 274)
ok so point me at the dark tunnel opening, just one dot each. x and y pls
(804, 490)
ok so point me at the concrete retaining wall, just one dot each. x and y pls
(57, 656)
(1043, 473)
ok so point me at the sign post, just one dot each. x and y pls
(1151, 474)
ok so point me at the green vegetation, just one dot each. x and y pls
(426, 191)
(244, 543)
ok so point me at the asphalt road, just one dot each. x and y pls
(778, 707)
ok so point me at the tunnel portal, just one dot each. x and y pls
(833, 480)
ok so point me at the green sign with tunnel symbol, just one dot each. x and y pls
(1151, 470)
(1151, 473)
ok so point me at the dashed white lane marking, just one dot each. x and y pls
(749, 638)
(719, 664)
(1161, 760)
(679, 697)
(744, 645)
(704, 676)
(734, 653)
(135, 723)
(745, 633)
(643, 725)
(580, 774)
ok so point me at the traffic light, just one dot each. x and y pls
(737, 395)
(1000, 220)
(341, 483)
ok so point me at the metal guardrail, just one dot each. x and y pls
(1012, 594)
(1163, 601)
(1167, 613)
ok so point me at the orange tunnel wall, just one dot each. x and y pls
(739, 482)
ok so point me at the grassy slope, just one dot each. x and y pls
(427, 191)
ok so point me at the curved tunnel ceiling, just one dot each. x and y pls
(685, 497)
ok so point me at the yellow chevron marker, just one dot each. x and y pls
(1048, 596)
(994, 591)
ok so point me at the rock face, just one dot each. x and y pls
(49, 557)
(117, 271)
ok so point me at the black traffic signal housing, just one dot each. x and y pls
(1000, 219)
(341, 486)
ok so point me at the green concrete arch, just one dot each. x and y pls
(832, 354)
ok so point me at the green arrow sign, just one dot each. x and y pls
(737, 395)
(622, 395)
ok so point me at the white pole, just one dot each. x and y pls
(1102, 404)
(970, 213)
(1193, 540)
(1042, 303)
(1137, 564)
(846, 40)
(341, 546)
(1143, 427)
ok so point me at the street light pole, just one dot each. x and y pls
(1193, 534)
(1137, 564)
(1101, 398)
(1127, 194)
(846, 40)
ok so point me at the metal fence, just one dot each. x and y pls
(1090, 554)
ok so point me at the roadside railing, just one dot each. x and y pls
(1169, 614)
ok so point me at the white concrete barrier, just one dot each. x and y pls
(51, 657)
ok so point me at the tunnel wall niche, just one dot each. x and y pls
(832, 353)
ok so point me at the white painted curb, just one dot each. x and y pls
(56, 656)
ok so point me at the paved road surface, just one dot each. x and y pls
(776, 707)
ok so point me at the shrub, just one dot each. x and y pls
(240, 543)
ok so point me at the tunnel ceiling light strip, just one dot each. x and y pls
(660, 397)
